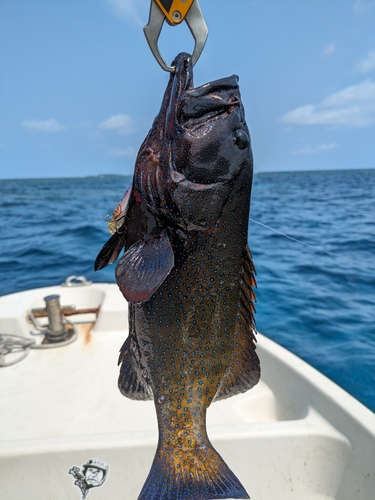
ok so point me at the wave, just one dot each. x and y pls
(316, 285)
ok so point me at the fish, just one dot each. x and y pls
(188, 275)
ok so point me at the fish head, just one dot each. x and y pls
(193, 169)
(198, 151)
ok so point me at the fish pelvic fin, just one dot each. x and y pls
(133, 381)
(244, 371)
(197, 473)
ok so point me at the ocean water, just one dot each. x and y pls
(315, 267)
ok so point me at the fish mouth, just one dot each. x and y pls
(188, 106)
(209, 101)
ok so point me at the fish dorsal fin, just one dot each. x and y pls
(144, 267)
(244, 371)
(133, 381)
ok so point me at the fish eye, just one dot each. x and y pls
(240, 138)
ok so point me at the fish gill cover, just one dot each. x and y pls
(188, 275)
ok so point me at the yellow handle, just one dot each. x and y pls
(174, 10)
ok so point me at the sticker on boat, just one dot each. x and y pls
(91, 474)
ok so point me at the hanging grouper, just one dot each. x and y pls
(188, 276)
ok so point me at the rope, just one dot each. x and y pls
(13, 344)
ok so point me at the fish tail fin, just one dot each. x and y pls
(198, 473)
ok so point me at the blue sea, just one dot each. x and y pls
(312, 236)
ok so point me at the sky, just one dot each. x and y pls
(79, 87)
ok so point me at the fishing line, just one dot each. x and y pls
(302, 242)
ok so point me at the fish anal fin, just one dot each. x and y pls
(133, 381)
(144, 267)
(244, 370)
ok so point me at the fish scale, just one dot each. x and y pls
(191, 326)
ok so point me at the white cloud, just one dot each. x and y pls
(131, 10)
(367, 64)
(122, 123)
(363, 6)
(50, 125)
(329, 49)
(118, 153)
(316, 149)
(350, 107)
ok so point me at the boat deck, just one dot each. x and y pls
(295, 435)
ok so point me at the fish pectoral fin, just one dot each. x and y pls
(144, 267)
(244, 371)
(110, 251)
(132, 380)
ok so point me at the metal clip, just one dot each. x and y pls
(194, 19)
(76, 281)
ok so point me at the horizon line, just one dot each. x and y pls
(257, 172)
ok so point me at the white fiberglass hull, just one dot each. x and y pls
(294, 436)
